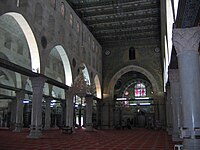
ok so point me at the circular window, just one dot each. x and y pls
(157, 49)
(107, 52)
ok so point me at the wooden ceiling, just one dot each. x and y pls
(114, 21)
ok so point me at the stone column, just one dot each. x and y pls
(19, 111)
(89, 104)
(186, 42)
(160, 114)
(169, 111)
(98, 119)
(80, 113)
(105, 113)
(176, 103)
(63, 113)
(36, 116)
(13, 114)
(156, 108)
(69, 109)
(47, 113)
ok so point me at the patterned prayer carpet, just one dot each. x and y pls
(54, 139)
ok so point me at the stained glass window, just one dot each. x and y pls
(140, 90)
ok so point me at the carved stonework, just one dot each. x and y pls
(186, 39)
(173, 75)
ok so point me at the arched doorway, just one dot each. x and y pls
(129, 110)
(133, 99)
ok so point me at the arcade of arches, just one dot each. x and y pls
(55, 72)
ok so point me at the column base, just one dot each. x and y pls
(35, 132)
(176, 138)
(89, 128)
(47, 127)
(191, 144)
(105, 127)
(169, 131)
(18, 127)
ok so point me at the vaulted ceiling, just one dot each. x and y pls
(114, 21)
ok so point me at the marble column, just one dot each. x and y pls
(89, 104)
(156, 108)
(162, 112)
(176, 103)
(13, 114)
(186, 42)
(63, 113)
(47, 113)
(169, 114)
(98, 118)
(19, 111)
(160, 115)
(69, 109)
(80, 114)
(105, 114)
(36, 115)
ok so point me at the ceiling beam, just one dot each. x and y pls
(147, 8)
(126, 30)
(128, 37)
(121, 25)
(142, 42)
(104, 3)
(154, 15)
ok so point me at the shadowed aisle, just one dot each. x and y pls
(136, 139)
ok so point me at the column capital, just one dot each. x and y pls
(38, 81)
(173, 75)
(186, 39)
(20, 95)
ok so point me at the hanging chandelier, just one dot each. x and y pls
(81, 86)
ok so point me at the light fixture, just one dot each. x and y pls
(25, 101)
(145, 104)
(133, 104)
(142, 98)
(121, 99)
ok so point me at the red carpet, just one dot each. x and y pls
(136, 139)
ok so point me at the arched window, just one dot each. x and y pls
(140, 90)
(131, 53)
(71, 19)
(62, 9)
